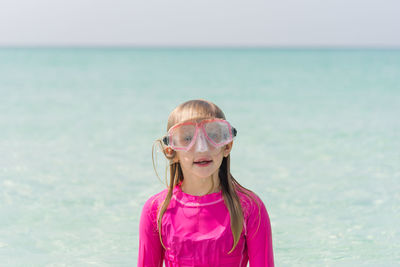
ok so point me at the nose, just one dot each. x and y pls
(201, 143)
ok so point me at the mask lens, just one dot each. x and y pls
(182, 136)
(218, 132)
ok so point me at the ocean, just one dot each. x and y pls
(318, 140)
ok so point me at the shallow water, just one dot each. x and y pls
(318, 141)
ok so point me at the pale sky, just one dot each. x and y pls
(366, 23)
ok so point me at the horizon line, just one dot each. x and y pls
(272, 47)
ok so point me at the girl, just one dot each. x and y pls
(204, 217)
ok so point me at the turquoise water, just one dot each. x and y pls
(318, 141)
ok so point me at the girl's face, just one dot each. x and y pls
(202, 160)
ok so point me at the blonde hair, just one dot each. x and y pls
(197, 109)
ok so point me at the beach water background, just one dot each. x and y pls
(318, 140)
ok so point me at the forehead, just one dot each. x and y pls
(197, 119)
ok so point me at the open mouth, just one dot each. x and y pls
(202, 162)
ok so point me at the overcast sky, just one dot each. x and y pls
(371, 23)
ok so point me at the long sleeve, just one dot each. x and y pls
(150, 249)
(259, 237)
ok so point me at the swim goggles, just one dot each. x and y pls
(182, 136)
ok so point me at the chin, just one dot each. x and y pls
(204, 174)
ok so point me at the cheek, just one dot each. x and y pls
(183, 157)
(219, 155)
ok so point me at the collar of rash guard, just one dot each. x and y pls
(191, 200)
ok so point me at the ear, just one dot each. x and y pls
(171, 154)
(227, 149)
(168, 151)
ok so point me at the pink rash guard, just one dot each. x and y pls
(196, 232)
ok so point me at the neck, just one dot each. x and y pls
(199, 186)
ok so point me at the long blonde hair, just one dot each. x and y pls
(229, 186)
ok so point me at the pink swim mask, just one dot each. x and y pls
(182, 136)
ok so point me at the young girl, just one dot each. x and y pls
(204, 217)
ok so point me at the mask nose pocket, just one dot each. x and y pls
(201, 143)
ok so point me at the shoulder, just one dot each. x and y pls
(153, 202)
(150, 210)
(248, 198)
(251, 203)
(254, 212)
(148, 217)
